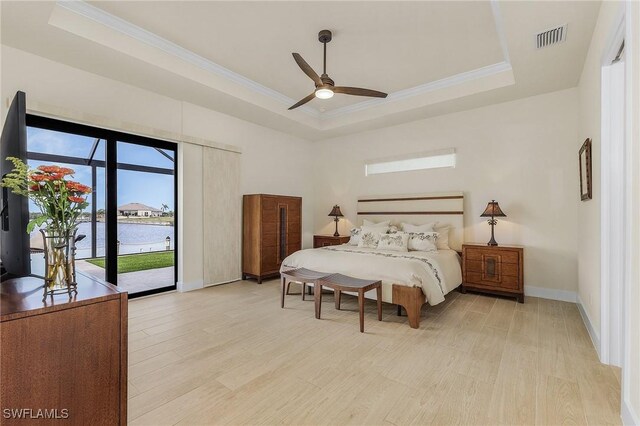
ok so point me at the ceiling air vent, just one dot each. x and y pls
(553, 36)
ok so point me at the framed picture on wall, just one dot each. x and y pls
(585, 170)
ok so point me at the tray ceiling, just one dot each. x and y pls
(421, 53)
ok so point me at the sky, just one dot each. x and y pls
(151, 189)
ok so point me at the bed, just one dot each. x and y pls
(409, 279)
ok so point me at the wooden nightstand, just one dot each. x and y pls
(493, 269)
(329, 240)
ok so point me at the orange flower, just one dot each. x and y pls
(78, 187)
(35, 187)
(38, 177)
(49, 169)
(57, 170)
(77, 199)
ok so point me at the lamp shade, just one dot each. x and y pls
(335, 211)
(493, 210)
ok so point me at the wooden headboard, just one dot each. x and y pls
(447, 208)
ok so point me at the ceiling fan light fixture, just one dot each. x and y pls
(325, 86)
(324, 93)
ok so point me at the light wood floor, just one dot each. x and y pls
(230, 355)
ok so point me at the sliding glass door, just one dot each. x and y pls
(146, 217)
(127, 234)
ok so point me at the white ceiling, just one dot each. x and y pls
(235, 57)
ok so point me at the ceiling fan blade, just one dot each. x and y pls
(303, 101)
(357, 91)
(306, 68)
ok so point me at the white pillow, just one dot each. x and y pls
(393, 229)
(356, 235)
(394, 242)
(369, 239)
(428, 227)
(443, 237)
(423, 241)
(384, 224)
(381, 229)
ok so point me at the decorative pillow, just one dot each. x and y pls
(369, 239)
(394, 242)
(443, 237)
(423, 241)
(407, 227)
(384, 224)
(380, 229)
(393, 229)
(356, 235)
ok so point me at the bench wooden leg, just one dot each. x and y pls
(283, 291)
(318, 298)
(303, 288)
(338, 296)
(361, 305)
(379, 297)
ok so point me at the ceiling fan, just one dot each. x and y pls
(325, 87)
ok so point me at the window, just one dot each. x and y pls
(422, 161)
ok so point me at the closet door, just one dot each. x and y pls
(222, 216)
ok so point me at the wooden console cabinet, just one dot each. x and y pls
(493, 269)
(271, 231)
(68, 357)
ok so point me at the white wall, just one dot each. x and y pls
(589, 127)
(631, 367)
(521, 153)
(272, 161)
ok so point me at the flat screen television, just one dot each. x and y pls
(14, 209)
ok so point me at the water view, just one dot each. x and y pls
(133, 237)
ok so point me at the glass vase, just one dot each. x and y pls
(59, 262)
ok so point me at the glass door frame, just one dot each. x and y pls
(111, 166)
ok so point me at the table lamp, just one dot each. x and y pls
(493, 210)
(336, 213)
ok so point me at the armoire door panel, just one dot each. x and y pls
(269, 239)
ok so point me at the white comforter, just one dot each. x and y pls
(437, 272)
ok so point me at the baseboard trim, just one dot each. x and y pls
(224, 282)
(190, 286)
(628, 415)
(595, 336)
(551, 293)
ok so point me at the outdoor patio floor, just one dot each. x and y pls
(133, 282)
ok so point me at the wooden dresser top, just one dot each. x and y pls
(22, 297)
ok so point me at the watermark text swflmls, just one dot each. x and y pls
(35, 413)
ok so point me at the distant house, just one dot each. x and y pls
(138, 209)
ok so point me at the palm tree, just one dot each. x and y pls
(164, 209)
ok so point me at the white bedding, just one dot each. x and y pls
(436, 272)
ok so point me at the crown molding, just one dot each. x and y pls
(497, 18)
(120, 25)
(422, 89)
(93, 13)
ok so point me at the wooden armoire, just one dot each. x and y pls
(272, 230)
